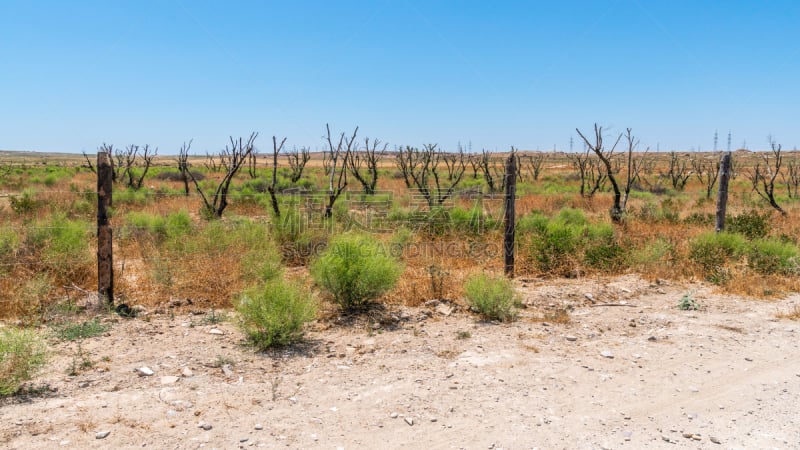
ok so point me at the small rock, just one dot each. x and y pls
(216, 331)
(651, 338)
(589, 296)
(187, 372)
(205, 426)
(83, 384)
(571, 338)
(444, 310)
(688, 435)
(169, 380)
(259, 426)
(693, 389)
(144, 371)
(102, 434)
(749, 359)
(714, 440)
(243, 439)
(226, 369)
(434, 419)
(409, 421)
(606, 354)
(393, 415)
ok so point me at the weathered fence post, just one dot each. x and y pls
(722, 196)
(105, 259)
(508, 234)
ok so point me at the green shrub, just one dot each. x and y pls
(602, 251)
(63, 244)
(750, 224)
(355, 270)
(713, 250)
(274, 314)
(22, 353)
(25, 203)
(652, 252)
(492, 296)
(771, 256)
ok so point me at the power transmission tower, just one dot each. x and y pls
(729, 140)
(716, 138)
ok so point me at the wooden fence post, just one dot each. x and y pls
(105, 256)
(508, 234)
(722, 195)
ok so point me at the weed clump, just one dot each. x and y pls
(274, 313)
(355, 270)
(22, 353)
(771, 256)
(713, 250)
(492, 296)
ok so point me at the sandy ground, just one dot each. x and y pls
(647, 375)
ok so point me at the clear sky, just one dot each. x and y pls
(75, 74)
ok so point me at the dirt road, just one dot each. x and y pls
(638, 374)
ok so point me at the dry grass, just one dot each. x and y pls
(152, 275)
(792, 314)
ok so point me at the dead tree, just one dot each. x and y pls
(252, 162)
(707, 173)
(231, 158)
(582, 163)
(272, 188)
(128, 158)
(340, 151)
(211, 163)
(183, 165)
(405, 159)
(535, 163)
(763, 177)
(792, 178)
(423, 168)
(474, 162)
(297, 162)
(486, 165)
(678, 171)
(617, 210)
(451, 161)
(363, 164)
(633, 167)
(596, 177)
(326, 163)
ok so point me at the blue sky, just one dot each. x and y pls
(525, 73)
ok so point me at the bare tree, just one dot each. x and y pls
(486, 165)
(341, 151)
(423, 168)
(605, 155)
(792, 178)
(678, 171)
(183, 165)
(297, 162)
(535, 163)
(252, 162)
(363, 164)
(633, 167)
(127, 160)
(232, 158)
(596, 177)
(763, 177)
(474, 162)
(405, 159)
(272, 188)
(707, 173)
(211, 163)
(581, 163)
